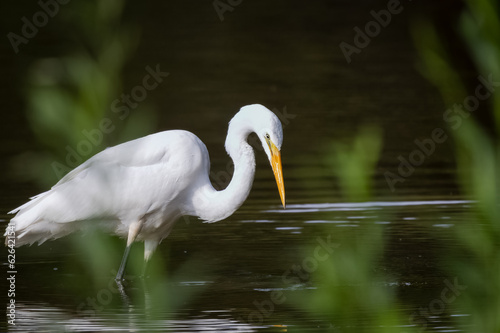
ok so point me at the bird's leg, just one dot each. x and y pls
(119, 275)
(149, 248)
(143, 275)
(133, 231)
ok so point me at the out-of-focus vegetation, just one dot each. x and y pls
(355, 165)
(70, 107)
(70, 95)
(353, 292)
(478, 154)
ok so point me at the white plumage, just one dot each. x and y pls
(138, 189)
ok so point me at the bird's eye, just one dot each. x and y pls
(268, 137)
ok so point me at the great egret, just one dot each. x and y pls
(138, 189)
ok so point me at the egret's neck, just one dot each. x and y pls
(217, 205)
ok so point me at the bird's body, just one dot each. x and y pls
(138, 189)
(139, 179)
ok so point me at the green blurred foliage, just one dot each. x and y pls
(353, 292)
(354, 165)
(150, 291)
(478, 157)
(70, 95)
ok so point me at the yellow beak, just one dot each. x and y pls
(278, 172)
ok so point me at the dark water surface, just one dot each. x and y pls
(286, 56)
(233, 267)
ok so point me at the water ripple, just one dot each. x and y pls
(362, 206)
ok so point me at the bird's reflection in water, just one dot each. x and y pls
(42, 317)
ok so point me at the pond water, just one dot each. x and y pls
(221, 277)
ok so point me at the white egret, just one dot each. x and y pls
(138, 189)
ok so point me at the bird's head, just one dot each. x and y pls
(268, 128)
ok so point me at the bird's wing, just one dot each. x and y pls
(144, 151)
(136, 175)
(143, 177)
